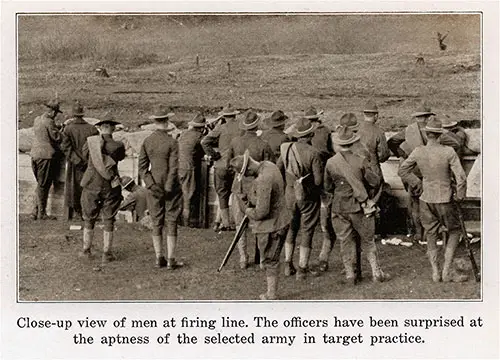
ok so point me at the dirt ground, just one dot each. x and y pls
(50, 270)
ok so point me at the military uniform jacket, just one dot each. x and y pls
(373, 138)
(311, 163)
(267, 195)
(403, 143)
(190, 150)
(158, 161)
(74, 136)
(221, 137)
(437, 163)
(92, 180)
(275, 138)
(47, 138)
(339, 180)
(322, 142)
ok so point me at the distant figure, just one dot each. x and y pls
(74, 136)
(43, 161)
(441, 38)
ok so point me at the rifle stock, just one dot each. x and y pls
(475, 269)
(239, 232)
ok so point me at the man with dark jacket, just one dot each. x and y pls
(190, 157)
(74, 136)
(348, 177)
(265, 207)
(443, 181)
(158, 164)
(101, 192)
(275, 135)
(220, 137)
(454, 136)
(43, 162)
(259, 150)
(302, 167)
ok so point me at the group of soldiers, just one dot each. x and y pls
(284, 183)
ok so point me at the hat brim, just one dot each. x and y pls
(77, 114)
(422, 113)
(338, 141)
(251, 126)
(111, 122)
(433, 130)
(353, 127)
(370, 111)
(233, 113)
(166, 116)
(298, 134)
(128, 183)
(453, 123)
(196, 124)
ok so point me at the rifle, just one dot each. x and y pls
(239, 232)
(477, 274)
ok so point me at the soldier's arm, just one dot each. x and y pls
(172, 167)
(54, 132)
(85, 151)
(459, 174)
(268, 153)
(328, 184)
(143, 165)
(210, 141)
(405, 171)
(281, 166)
(317, 170)
(67, 148)
(383, 151)
(370, 174)
(394, 142)
(263, 201)
(450, 140)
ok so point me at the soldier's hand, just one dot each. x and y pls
(216, 156)
(157, 191)
(457, 198)
(416, 189)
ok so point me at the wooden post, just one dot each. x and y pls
(228, 67)
(197, 61)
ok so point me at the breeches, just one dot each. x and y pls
(305, 217)
(223, 180)
(105, 202)
(270, 245)
(347, 225)
(44, 171)
(435, 216)
(161, 209)
(188, 181)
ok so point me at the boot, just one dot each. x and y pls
(433, 259)
(304, 269)
(172, 264)
(225, 223)
(158, 247)
(88, 236)
(107, 255)
(217, 221)
(378, 274)
(325, 252)
(289, 268)
(43, 195)
(242, 249)
(350, 276)
(449, 273)
(272, 288)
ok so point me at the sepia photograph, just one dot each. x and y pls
(249, 156)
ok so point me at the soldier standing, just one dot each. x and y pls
(348, 177)
(303, 168)
(158, 162)
(454, 136)
(439, 189)
(43, 162)
(265, 207)
(74, 136)
(190, 157)
(221, 137)
(275, 135)
(101, 185)
(402, 144)
(259, 150)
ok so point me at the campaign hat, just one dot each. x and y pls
(162, 113)
(277, 118)
(54, 105)
(349, 120)
(344, 136)
(228, 111)
(250, 120)
(198, 120)
(423, 110)
(371, 107)
(434, 125)
(312, 114)
(303, 127)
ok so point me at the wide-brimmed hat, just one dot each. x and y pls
(240, 164)
(107, 119)
(371, 107)
(250, 120)
(434, 125)
(302, 127)
(447, 122)
(126, 181)
(423, 110)
(312, 114)
(277, 119)
(162, 113)
(350, 121)
(77, 109)
(344, 136)
(198, 121)
(228, 111)
(54, 105)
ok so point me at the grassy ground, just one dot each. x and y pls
(50, 270)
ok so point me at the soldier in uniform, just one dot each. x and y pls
(137, 200)
(101, 185)
(302, 167)
(190, 157)
(74, 136)
(43, 162)
(158, 164)
(275, 135)
(349, 177)
(259, 150)
(401, 145)
(265, 207)
(221, 137)
(437, 163)
(454, 136)
(323, 143)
